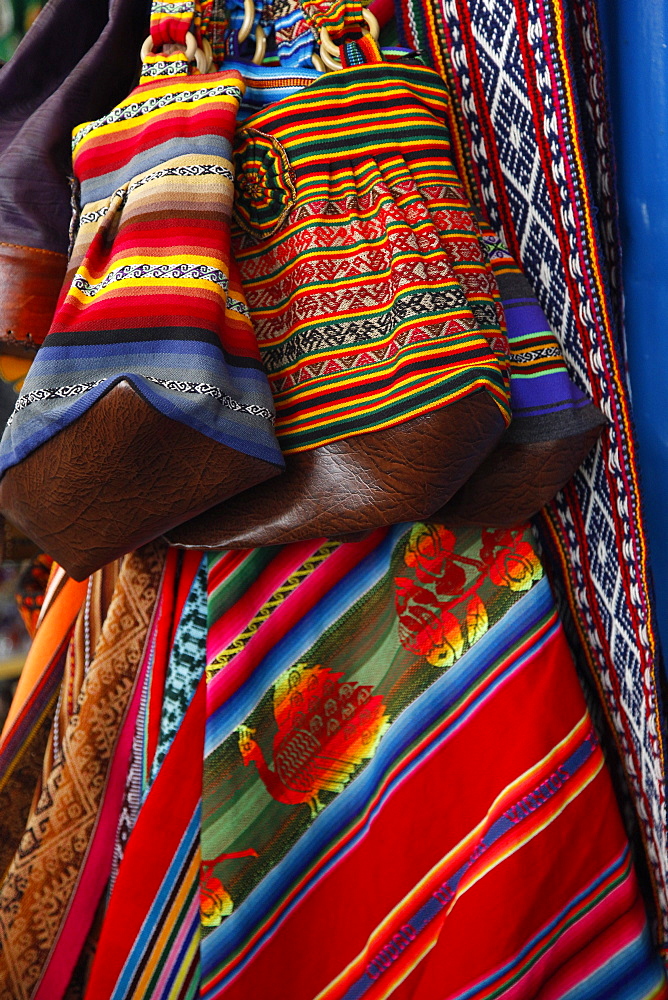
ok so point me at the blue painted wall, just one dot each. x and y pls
(635, 34)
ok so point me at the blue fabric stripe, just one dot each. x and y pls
(49, 356)
(178, 959)
(102, 187)
(634, 973)
(246, 384)
(242, 432)
(572, 905)
(187, 662)
(433, 907)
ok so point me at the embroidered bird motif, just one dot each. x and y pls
(326, 728)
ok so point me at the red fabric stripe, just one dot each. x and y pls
(224, 566)
(259, 590)
(164, 817)
(100, 156)
(527, 890)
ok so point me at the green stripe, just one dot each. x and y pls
(234, 586)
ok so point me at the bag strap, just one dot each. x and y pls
(183, 33)
(172, 22)
(187, 32)
(348, 32)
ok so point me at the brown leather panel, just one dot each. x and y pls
(30, 280)
(515, 481)
(403, 473)
(87, 496)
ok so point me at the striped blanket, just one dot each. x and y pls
(531, 134)
(354, 770)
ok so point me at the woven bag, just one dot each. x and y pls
(554, 425)
(147, 402)
(376, 310)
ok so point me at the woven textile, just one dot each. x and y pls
(371, 296)
(520, 141)
(394, 737)
(151, 295)
(266, 85)
(294, 38)
(171, 20)
(545, 401)
(27, 728)
(53, 885)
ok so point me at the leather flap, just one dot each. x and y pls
(31, 280)
(516, 481)
(400, 474)
(117, 477)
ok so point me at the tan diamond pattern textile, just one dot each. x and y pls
(40, 881)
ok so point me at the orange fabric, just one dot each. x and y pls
(50, 635)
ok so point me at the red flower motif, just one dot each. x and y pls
(516, 566)
(448, 643)
(477, 619)
(427, 631)
(215, 901)
(429, 553)
(494, 538)
(409, 592)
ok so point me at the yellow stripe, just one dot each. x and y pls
(184, 83)
(531, 833)
(174, 260)
(158, 283)
(369, 373)
(378, 147)
(341, 220)
(185, 967)
(368, 278)
(442, 349)
(400, 390)
(273, 314)
(116, 129)
(499, 399)
(374, 123)
(345, 251)
(313, 99)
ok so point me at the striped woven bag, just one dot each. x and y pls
(375, 306)
(147, 402)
